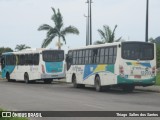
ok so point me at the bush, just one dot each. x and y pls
(158, 78)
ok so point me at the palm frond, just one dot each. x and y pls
(113, 33)
(64, 39)
(107, 35)
(98, 42)
(101, 33)
(45, 27)
(21, 47)
(119, 39)
(52, 31)
(47, 41)
(70, 30)
(58, 19)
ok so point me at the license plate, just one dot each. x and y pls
(54, 75)
(137, 76)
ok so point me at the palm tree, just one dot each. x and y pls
(57, 30)
(21, 47)
(107, 35)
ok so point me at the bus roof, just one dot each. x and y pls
(96, 46)
(106, 44)
(33, 50)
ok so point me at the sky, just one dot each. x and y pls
(20, 19)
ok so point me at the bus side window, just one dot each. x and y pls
(36, 59)
(86, 56)
(101, 61)
(95, 55)
(106, 55)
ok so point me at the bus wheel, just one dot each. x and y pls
(98, 84)
(48, 81)
(74, 81)
(8, 77)
(128, 88)
(26, 78)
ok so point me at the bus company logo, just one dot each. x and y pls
(6, 114)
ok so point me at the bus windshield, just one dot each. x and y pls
(137, 51)
(53, 55)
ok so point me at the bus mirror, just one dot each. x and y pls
(68, 59)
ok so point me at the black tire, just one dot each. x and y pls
(8, 77)
(98, 86)
(74, 81)
(48, 81)
(128, 88)
(26, 78)
(82, 85)
(107, 88)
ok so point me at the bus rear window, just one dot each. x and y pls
(53, 55)
(137, 50)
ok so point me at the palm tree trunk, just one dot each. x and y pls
(59, 44)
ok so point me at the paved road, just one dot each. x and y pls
(63, 97)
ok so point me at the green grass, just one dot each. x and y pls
(158, 79)
(11, 118)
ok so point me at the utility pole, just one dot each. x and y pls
(89, 23)
(147, 8)
(87, 31)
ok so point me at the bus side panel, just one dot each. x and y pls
(108, 77)
(9, 69)
(69, 74)
(105, 72)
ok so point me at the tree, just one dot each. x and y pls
(3, 49)
(107, 35)
(152, 40)
(21, 47)
(57, 30)
(157, 41)
(158, 55)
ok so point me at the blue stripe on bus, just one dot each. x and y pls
(139, 63)
(7, 68)
(93, 69)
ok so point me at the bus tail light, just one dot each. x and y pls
(121, 70)
(43, 70)
(153, 70)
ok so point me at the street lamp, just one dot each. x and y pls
(147, 7)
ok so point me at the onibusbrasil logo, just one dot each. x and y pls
(21, 114)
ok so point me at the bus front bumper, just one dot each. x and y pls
(136, 82)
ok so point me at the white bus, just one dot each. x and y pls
(119, 64)
(31, 65)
